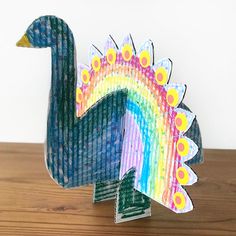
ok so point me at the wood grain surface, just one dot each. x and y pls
(32, 204)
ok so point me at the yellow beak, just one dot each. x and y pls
(24, 42)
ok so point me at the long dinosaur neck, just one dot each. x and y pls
(62, 97)
(61, 116)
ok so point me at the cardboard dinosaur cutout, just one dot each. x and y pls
(121, 125)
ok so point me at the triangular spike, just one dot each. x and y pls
(186, 148)
(181, 201)
(128, 40)
(185, 175)
(163, 69)
(147, 50)
(80, 69)
(110, 43)
(94, 51)
(183, 119)
(95, 56)
(175, 93)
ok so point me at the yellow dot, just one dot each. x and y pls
(179, 200)
(172, 97)
(96, 63)
(85, 76)
(161, 76)
(181, 122)
(111, 56)
(144, 59)
(182, 175)
(127, 52)
(79, 95)
(182, 147)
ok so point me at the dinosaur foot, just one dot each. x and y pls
(130, 203)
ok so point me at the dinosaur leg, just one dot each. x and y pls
(130, 203)
(104, 191)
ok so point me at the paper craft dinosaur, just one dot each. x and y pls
(133, 138)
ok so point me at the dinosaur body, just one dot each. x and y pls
(69, 156)
(125, 133)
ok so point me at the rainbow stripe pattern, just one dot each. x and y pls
(154, 127)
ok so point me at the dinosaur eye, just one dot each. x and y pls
(179, 200)
(96, 63)
(127, 52)
(85, 76)
(111, 56)
(161, 76)
(181, 122)
(182, 175)
(172, 97)
(79, 95)
(144, 59)
(182, 147)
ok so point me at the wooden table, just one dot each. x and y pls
(32, 204)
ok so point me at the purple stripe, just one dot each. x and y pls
(132, 150)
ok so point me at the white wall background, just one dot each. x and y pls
(199, 36)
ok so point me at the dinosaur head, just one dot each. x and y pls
(41, 33)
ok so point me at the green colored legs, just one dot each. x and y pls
(130, 203)
(105, 191)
